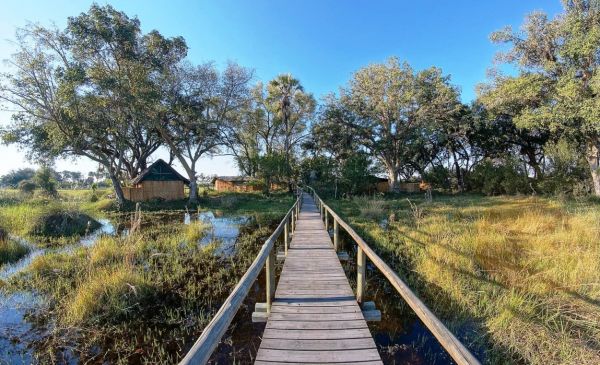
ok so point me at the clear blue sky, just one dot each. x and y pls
(321, 42)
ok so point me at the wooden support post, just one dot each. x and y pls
(326, 221)
(286, 235)
(270, 278)
(336, 235)
(293, 222)
(361, 265)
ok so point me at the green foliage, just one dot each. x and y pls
(556, 88)
(567, 170)
(356, 175)
(45, 180)
(499, 177)
(273, 167)
(14, 177)
(438, 177)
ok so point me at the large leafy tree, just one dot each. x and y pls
(394, 113)
(198, 103)
(88, 90)
(558, 77)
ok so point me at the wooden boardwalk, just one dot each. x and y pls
(315, 317)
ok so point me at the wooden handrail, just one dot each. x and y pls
(211, 336)
(449, 342)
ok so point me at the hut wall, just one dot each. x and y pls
(148, 190)
(382, 186)
(410, 187)
(237, 186)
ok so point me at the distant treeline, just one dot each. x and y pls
(61, 179)
(102, 89)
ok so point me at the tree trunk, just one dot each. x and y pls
(593, 159)
(393, 180)
(460, 183)
(267, 187)
(118, 189)
(193, 191)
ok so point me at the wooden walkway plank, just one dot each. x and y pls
(315, 318)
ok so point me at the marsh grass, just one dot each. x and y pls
(523, 274)
(48, 221)
(11, 250)
(370, 208)
(143, 298)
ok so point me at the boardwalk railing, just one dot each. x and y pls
(211, 336)
(451, 344)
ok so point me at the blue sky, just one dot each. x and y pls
(321, 42)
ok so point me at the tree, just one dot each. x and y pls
(558, 75)
(393, 111)
(293, 109)
(14, 177)
(269, 126)
(88, 90)
(44, 179)
(198, 103)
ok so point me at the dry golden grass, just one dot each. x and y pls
(527, 270)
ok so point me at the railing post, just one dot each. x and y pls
(326, 220)
(336, 234)
(293, 222)
(361, 265)
(270, 278)
(286, 235)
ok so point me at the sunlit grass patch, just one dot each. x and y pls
(196, 230)
(108, 295)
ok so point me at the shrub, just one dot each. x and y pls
(57, 223)
(44, 179)
(499, 177)
(438, 177)
(567, 171)
(27, 187)
(229, 201)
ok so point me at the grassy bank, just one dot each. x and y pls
(522, 274)
(50, 221)
(143, 298)
(11, 251)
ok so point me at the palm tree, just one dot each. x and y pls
(293, 106)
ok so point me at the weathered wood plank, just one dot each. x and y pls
(311, 317)
(317, 335)
(319, 356)
(303, 363)
(317, 325)
(352, 343)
